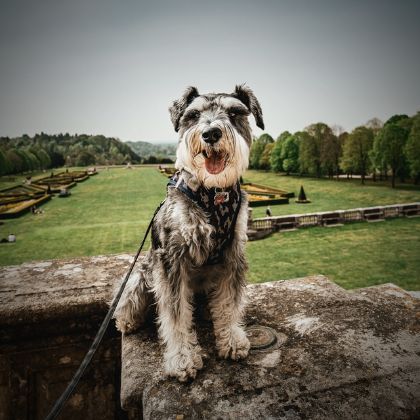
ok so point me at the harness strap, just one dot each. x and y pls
(222, 216)
(183, 187)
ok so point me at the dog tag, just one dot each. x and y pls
(221, 197)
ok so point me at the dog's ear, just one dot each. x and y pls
(246, 95)
(180, 105)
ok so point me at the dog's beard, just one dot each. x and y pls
(220, 165)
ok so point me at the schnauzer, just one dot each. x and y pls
(199, 233)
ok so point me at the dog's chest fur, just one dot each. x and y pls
(221, 209)
(198, 230)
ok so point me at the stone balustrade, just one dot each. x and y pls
(336, 217)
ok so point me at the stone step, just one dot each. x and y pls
(337, 354)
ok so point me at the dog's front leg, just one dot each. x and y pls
(227, 304)
(133, 306)
(182, 353)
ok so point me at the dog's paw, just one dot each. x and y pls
(127, 326)
(184, 366)
(234, 345)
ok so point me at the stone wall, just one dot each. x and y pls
(49, 313)
(332, 218)
(333, 353)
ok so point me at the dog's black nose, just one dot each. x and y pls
(211, 135)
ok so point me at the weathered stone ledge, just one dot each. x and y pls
(44, 290)
(50, 312)
(338, 354)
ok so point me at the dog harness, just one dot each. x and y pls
(220, 205)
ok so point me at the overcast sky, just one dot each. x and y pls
(113, 67)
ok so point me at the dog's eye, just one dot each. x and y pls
(234, 112)
(193, 115)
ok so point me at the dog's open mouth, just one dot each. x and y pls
(214, 161)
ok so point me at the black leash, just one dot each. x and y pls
(59, 404)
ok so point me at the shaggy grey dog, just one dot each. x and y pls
(199, 233)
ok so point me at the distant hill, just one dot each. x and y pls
(160, 151)
(44, 151)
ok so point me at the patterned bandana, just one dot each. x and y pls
(220, 205)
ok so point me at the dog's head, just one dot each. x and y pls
(214, 134)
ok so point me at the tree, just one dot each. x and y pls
(57, 159)
(265, 157)
(4, 167)
(44, 150)
(14, 161)
(32, 160)
(376, 158)
(412, 148)
(395, 119)
(290, 154)
(29, 160)
(342, 137)
(390, 146)
(85, 158)
(43, 157)
(276, 161)
(257, 150)
(310, 152)
(375, 124)
(331, 152)
(356, 151)
(283, 136)
(152, 159)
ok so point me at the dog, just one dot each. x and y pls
(198, 235)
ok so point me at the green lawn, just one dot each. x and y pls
(109, 213)
(328, 194)
(354, 255)
(105, 214)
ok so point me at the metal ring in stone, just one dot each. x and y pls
(260, 337)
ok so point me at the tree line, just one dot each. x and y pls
(157, 151)
(44, 151)
(388, 150)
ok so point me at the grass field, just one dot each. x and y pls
(354, 255)
(328, 194)
(109, 212)
(105, 214)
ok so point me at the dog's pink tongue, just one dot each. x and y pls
(215, 163)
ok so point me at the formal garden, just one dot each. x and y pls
(109, 214)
